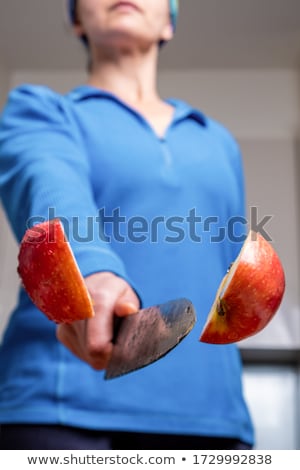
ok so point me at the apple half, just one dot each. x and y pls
(50, 274)
(249, 294)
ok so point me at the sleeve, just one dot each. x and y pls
(44, 171)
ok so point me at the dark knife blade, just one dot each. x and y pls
(148, 335)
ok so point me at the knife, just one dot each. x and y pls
(148, 335)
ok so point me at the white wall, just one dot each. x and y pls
(272, 407)
(261, 108)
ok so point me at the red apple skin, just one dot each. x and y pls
(50, 274)
(251, 298)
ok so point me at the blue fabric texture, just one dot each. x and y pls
(155, 211)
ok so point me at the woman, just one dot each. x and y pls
(159, 181)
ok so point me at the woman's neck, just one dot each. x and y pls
(130, 76)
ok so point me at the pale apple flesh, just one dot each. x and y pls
(50, 274)
(249, 294)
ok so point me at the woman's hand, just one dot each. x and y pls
(91, 340)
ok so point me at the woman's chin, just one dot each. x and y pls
(126, 39)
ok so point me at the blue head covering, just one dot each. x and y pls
(173, 11)
(174, 4)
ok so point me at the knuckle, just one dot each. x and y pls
(97, 354)
(96, 361)
(105, 287)
(101, 298)
(94, 350)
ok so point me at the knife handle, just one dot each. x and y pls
(127, 309)
(117, 326)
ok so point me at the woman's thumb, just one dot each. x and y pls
(127, 303)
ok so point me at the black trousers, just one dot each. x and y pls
(48, 437)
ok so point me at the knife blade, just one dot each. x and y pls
(148, 335)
